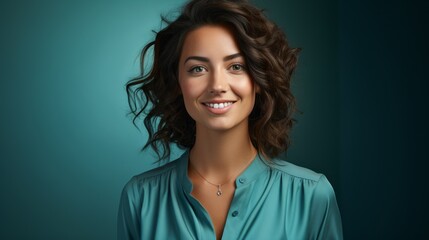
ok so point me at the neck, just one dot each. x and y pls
(220, 154)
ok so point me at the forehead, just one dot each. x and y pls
(210, 41)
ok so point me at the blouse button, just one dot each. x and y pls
(234, 214)
(242, 180)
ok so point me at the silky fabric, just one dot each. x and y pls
(272, 200)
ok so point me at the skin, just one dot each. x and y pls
(212, 70)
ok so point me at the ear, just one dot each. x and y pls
(257, 88)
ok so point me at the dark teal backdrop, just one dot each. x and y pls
(383, 64)
(67, 147)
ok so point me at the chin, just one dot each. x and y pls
(224, 125)
(219, 127)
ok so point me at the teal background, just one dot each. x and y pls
(67, 146)
(383, 63)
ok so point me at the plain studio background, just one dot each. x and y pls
(67, 147)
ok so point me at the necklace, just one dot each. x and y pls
(218, 186)
(219, 190)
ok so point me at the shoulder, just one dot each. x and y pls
(158, 171)
(294, 171)
(316, 183)
(309, 196)
(151, 177)
(135, 193)
(153, 174)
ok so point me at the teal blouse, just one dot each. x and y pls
(271, 201)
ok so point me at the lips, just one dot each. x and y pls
(218, 105)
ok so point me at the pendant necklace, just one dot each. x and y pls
(219, 190)
(218, 186)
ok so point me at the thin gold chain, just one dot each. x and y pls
(219, 190)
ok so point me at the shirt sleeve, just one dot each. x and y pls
(326, 214)
(129, 215)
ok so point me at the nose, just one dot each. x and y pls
(218, 83)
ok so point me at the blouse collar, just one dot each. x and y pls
(258, 166)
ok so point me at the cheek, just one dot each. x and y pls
(245, 88)
(190, 95)
(191, 89)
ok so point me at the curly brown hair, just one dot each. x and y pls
(269, 59)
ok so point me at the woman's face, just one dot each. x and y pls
(217, 90)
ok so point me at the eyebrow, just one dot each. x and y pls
(204, 59)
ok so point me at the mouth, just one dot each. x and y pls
(218, 105)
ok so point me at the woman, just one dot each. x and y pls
(219, 87)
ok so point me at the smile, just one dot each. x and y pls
(218, 105)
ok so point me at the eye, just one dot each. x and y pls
(237, 67)
(197, 69)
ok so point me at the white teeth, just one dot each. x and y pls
(218, 105)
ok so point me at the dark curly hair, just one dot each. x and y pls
(269, 59)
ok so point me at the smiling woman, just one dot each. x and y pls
(220, 88)
(217, 90)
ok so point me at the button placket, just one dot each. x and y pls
(238, 208)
